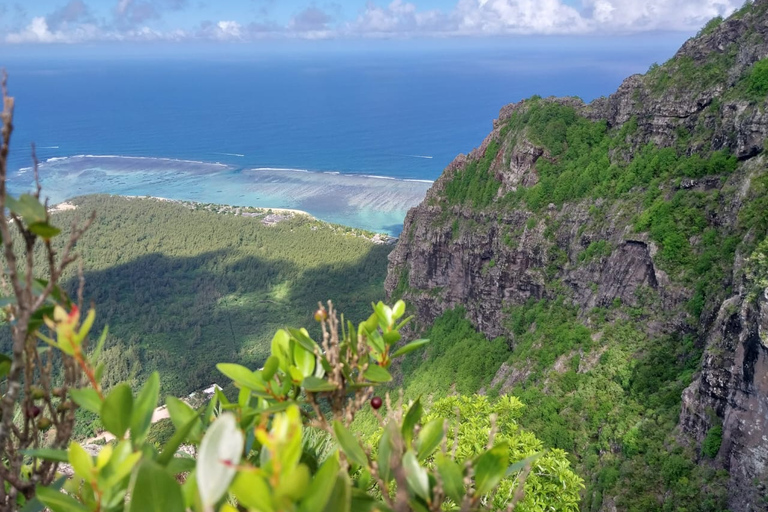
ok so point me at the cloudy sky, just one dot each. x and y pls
(76, 21)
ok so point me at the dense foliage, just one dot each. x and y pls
(609, 396)
(176, 285)
(284, 443)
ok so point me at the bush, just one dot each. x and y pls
(711, 445)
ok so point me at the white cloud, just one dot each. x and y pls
(398, 17)
(229, 30)
(136, 20)
(518, 17)
(634, 16)
(38, 31)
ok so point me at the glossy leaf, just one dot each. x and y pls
(271, 366)
(410, 347)
(220, 450)
(316, 385)
(376, 373)
(517, 466)
(81, 461)
(416, 476)
(321, 487)
(57, 501)
(252, 491)
(48, 454)
(451, 476)
(241, 376)
(144, 407)
(340, 498)
(430, 437)
(490, 467)
(87, 398)
(398, 309)
(179, 411)
(385, 451)
(153, 489)
(305, 360)
(176, 440)
(35, 505)
(349, 445)
(410, 421)
(117, 409)
(44, 230)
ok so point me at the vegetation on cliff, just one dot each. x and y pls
(595, 246)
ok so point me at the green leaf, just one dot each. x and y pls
(242, 376)
(100, 343)
(363, 502)
(48, 454)
(490, 467)
(376, 373)
(44, 230)
(176, 440)
(409, 348)
(321, 487)
(303, 339)
(416, 476)
(57, 501)
(316, 385)
(179, 411)
(180, 465)
(452, 477)
(340, 498)
(117, 409)
(271, 366)
(26, 206)
(87, 398)
(412, 417)
(280, 349)
(121, 469)
(35, 505)
(517, 466)
(220, 450)
(252, 491)
(144, 407)
(304, 359)
(349, 445)
(430, 437)
(153, 489)
(385, 451)
(81, 461)
(398, 309)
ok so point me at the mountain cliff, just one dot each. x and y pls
(623, 240)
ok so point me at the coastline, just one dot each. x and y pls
(268, 216)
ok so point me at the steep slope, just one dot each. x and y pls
(620, 228)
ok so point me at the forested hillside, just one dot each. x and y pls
(610, 254)
(182, 289)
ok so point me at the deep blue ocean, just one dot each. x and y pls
(400, 113)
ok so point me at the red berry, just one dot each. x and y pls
(321, 315)
(376, 402)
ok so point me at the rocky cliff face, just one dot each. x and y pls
(491, 254)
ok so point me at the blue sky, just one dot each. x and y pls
(79, 21)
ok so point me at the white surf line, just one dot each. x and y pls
(48, 147)
(420, 156)
(230, 154)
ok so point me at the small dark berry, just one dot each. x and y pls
(321, 315)
(33, 411)
(376, 402)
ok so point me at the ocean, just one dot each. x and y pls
(353, 136)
